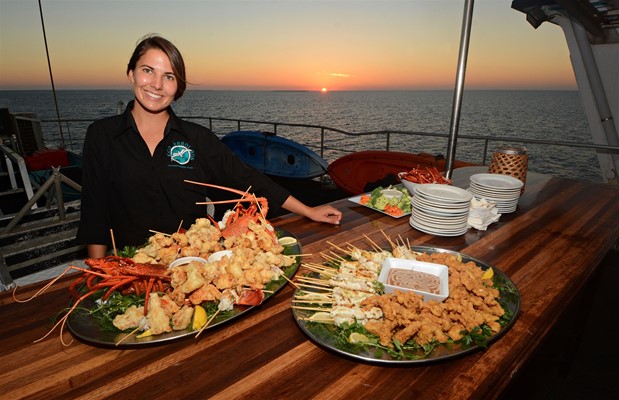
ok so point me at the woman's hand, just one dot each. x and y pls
(323, 213)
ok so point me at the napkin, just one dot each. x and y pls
(482, 214)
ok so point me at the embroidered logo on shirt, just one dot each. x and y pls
(181, 153)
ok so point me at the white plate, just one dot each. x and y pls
(497, 181)
(448, 207)
(445, 193)
(437, 232)
(439, 209)
(440, 225)
(494, 192)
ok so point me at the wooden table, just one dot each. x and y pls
(549, 247)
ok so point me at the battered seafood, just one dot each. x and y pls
(402, 317)
(255, 260)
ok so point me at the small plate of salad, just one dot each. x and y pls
(394, 201)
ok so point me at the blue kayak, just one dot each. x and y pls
(274, 155)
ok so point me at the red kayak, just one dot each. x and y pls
(356, 173)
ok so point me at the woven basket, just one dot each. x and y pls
(510, 161)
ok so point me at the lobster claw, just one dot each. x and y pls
(250, 297)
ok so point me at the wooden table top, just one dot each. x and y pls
(549, 248)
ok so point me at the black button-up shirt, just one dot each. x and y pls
(127, 190)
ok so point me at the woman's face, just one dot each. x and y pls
(154, 83)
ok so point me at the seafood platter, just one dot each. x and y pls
(344, 304)
(182, 283)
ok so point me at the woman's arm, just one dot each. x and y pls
(323, 213)
(96, 250)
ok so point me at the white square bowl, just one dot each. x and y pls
(430, 268)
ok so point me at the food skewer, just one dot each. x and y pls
(113, 242)
(133, 332)
(207, 323)
(311, 308)
(161, 233)
(302, 285)
(289, 281)
(373, 244)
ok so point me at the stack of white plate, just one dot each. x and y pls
(504, 190)
(440, 210)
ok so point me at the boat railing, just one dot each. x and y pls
(221, 126)
(12, 159)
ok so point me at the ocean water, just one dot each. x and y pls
(548, 115)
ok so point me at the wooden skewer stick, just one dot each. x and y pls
(316, 265)
(321, 271)
(340, 258)
(113, 242)
(155, 232)
(393, 246)
(179, 226)
(207, 323)
(313, 280)
(311, 308)
(291, 282)
(314, 295)
(320, 268)
(337, 247)
(324, 320)
(352, 248)
(127, 336)
(303, 285)
(313, 301)
(373, 244)
(328, 257)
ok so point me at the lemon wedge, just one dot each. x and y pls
(287, 241)
(321, 316)
(146, 333)
(488, 274)
(199, 317)
(356, 337)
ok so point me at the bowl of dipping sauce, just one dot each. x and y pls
(218, 255)
(426, 279)
(392, 193)
(186, 260)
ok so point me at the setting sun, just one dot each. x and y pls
(324, 90)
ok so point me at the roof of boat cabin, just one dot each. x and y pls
(599, 18)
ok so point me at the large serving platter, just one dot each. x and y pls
(86, 328)
(510, 297)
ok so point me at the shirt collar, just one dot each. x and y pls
(128, 123)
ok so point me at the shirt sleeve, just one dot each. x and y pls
(95, 219)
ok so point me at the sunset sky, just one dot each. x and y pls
(282, 45)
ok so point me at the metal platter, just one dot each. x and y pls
(86, 328)
(510, 299)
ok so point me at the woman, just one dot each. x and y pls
(136, 163)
